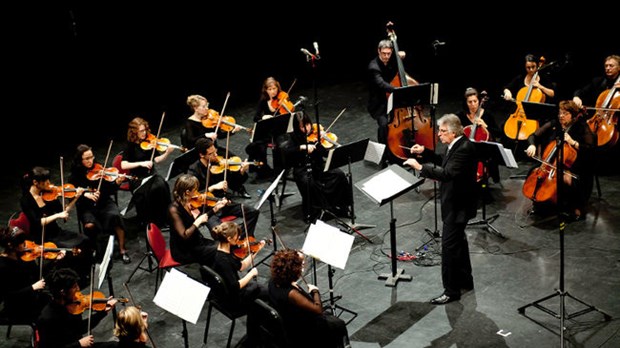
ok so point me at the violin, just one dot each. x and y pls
(328, 139)
(603, 123)
(249, 244)
(199, 199)
(53, 192)
(161, 144)
(227, 123)
(541, 184)
(281, 104)
(32, 251)
(233, 164)
(108, 174)
(82, 302)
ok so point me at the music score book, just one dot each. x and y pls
(181, 295)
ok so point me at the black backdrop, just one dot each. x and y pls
(78, 73)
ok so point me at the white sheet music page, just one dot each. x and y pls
(384, 185)
(181, 295)
(374, 152)
(328, 244)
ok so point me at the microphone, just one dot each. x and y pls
(316, 48)
(300, 100)
(308, 54)
(438, 43)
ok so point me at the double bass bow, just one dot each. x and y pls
(407, 125)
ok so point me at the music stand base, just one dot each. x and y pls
(392, 279)
(486, 222)
(152, 265)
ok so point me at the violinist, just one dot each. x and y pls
(576, 133)
(209, 161)
(382, 70)
(588, 94)
(319, 190)
(197, 126)
(215, 185)
(44, 217)
(21, 288)
(273, 101)
(56, 325)
(474, 112)
(187, 243)
(130, 328)
(97, 210)
(244, 290)
(152, 198)
(301, 310)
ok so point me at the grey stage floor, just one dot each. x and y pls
(512, 269)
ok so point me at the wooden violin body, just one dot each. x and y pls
(541, 183)
(53, 192)
(604, 121)
(32, 251)
(282, 104)
(82, 302)
(108, 174)
(248, 245)
(161, 144)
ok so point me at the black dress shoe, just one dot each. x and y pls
(243, 193)
(443, 299)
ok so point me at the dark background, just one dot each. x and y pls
(78, 73)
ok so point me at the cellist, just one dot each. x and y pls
(576, 133)
(590, 92)
(381, 72)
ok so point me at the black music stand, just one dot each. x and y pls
(345, 155)
(488, 151)
(268, 195)
(384, 187)
(181, 163)
(269, 129)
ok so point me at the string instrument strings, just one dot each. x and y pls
(603, 123)
(282, 103)
(161, 122)
(133, 303)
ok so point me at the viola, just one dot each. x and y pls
(541, 184)
(227, 123)
(161, 144)
(32, 251)
(604, 121)
(408, 125)
(82, 302)
(248, 245)
(53, 192)
(517, 125)
(282, 104)
(108, 174)
(233, 164)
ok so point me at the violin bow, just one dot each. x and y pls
(133, 303)
(204, 206)
(92, 295)
(226, 157)
(336, 119)
(247, 237)
(62, 184)
(219, 120)
(107, 157)
(161, 122)
(41, 260)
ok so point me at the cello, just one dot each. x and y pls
(517, 125)
(604, 121)
(477, 133)
(406, 121)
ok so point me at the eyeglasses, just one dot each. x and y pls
(443, 130)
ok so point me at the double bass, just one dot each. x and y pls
(604, 121)
(517, 125)
(406, 120)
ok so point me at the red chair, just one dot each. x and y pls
(160, 249)
(116, 163)
(20, 221)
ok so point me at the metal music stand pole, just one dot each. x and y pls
(332, 299)
(561, 292)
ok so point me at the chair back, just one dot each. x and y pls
(116, 163)
(215, 282)
(271, 329)
(21, 221)
(156, 240)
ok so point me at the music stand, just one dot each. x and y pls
(384, 187)
(268, 195)
(181, 163)
(488, 151)
(345, 155)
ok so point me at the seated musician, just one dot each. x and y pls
(210, 183)
(236, 176)
(320, 190)
(473, 111)
(202, 123)
(588, 94)
(130, 328)
(152, 198)
(574, 131)
(58, 324)
(273, 101)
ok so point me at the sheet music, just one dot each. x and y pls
(181, 295)
(107, 256)
(384, 185)
(374, 152)
(328, 244)
(507, 155)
